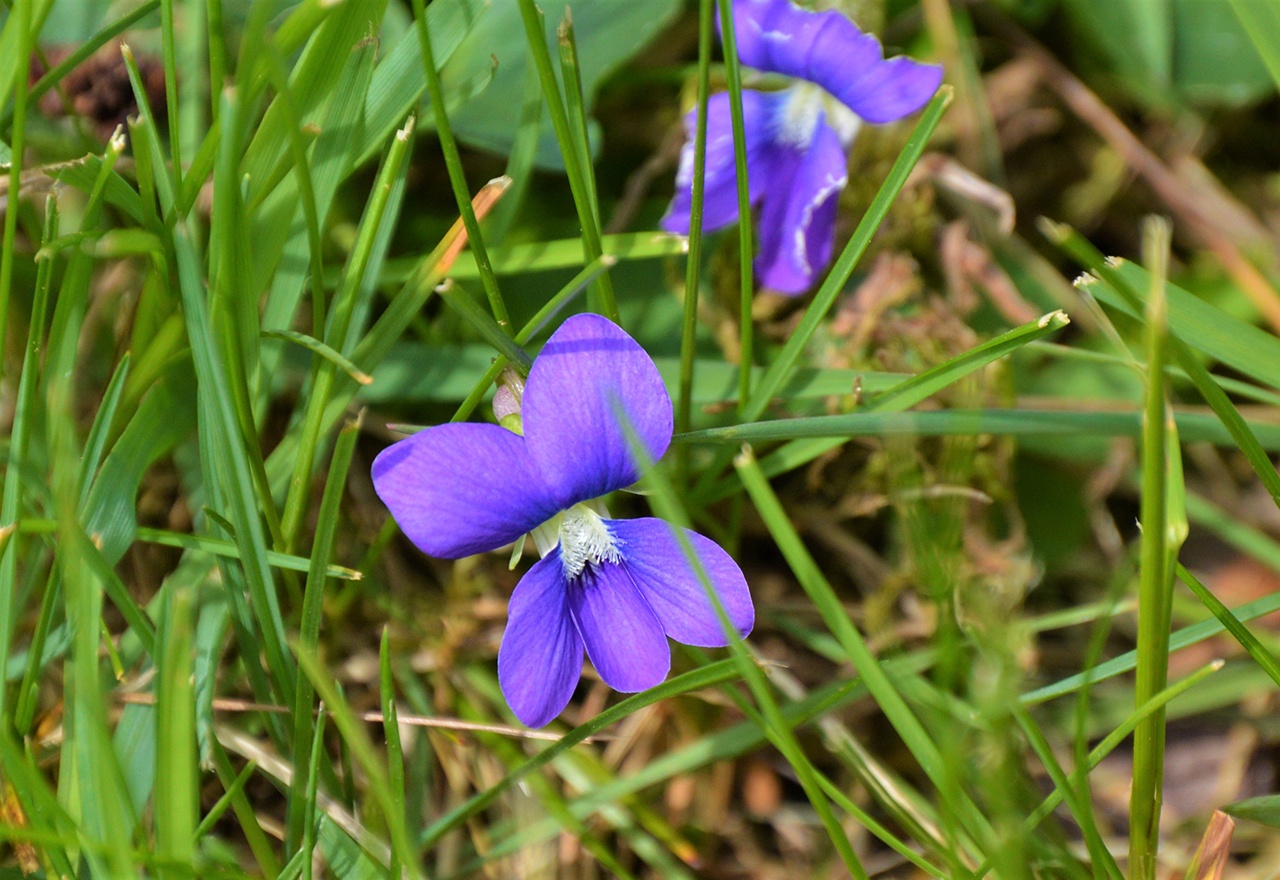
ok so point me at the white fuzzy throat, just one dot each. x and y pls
(806, 103)
(584, 539)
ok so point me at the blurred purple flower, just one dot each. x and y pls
(797, 139)
(617, 588)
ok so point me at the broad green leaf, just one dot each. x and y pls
(608, 34)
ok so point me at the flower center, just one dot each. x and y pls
(804, 105)
(583, 537)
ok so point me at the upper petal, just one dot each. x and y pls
(589, 378)
(828, 49)
(540, 659)
(623, 638)
(461, 489)
(798, 213)
(662, 571)
(720, 200)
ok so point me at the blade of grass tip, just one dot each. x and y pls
(456, 296)
(177, 797)
(905, 395)
(312, 615)
(457, 174)
(588, 210)
(1154, 587)
(775, 725)
(316, 347)
(221, 547)
(83, 51)
(362, 753)
(531, 328)
(694, 680)
(693, 265)
(1244, 436)
(1109, 744)
(882, 688)
(775, 376)
(746, 285)
(391, 731)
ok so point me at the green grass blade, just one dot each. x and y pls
(311, 619)
(1156, 575)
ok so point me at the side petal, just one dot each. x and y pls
(798, 213)
(588, 379)
(667, 580)
(540, 659)
(624, 639)
(828, 49)
(720, 202)
(461, 489)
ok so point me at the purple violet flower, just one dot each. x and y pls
(797, 139)
(616, 588)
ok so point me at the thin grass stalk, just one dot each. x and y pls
(588, 210)
(219, 445)
(259, 844)
(358, 750)
(1109, 744)
(1080, 806)
(312, 796)
(770, 718)
(169, 58)
(391, 731)
(306, 185)
(19, 17)
(335, 332)
(576, 102)
(693, 266)
(1154, 593)
(746, 286)
(886, 693)
(697, 679)
(177, 792)
(1241, 633)
(457, 175)
(216, 35)
(312, 617)
(775, 376)
(531, 328)
(1206, 384)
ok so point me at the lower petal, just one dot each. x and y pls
(540, 660)
(667, 580)
(623, 638)
(798, 212)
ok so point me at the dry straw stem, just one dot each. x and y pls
(229, 704)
